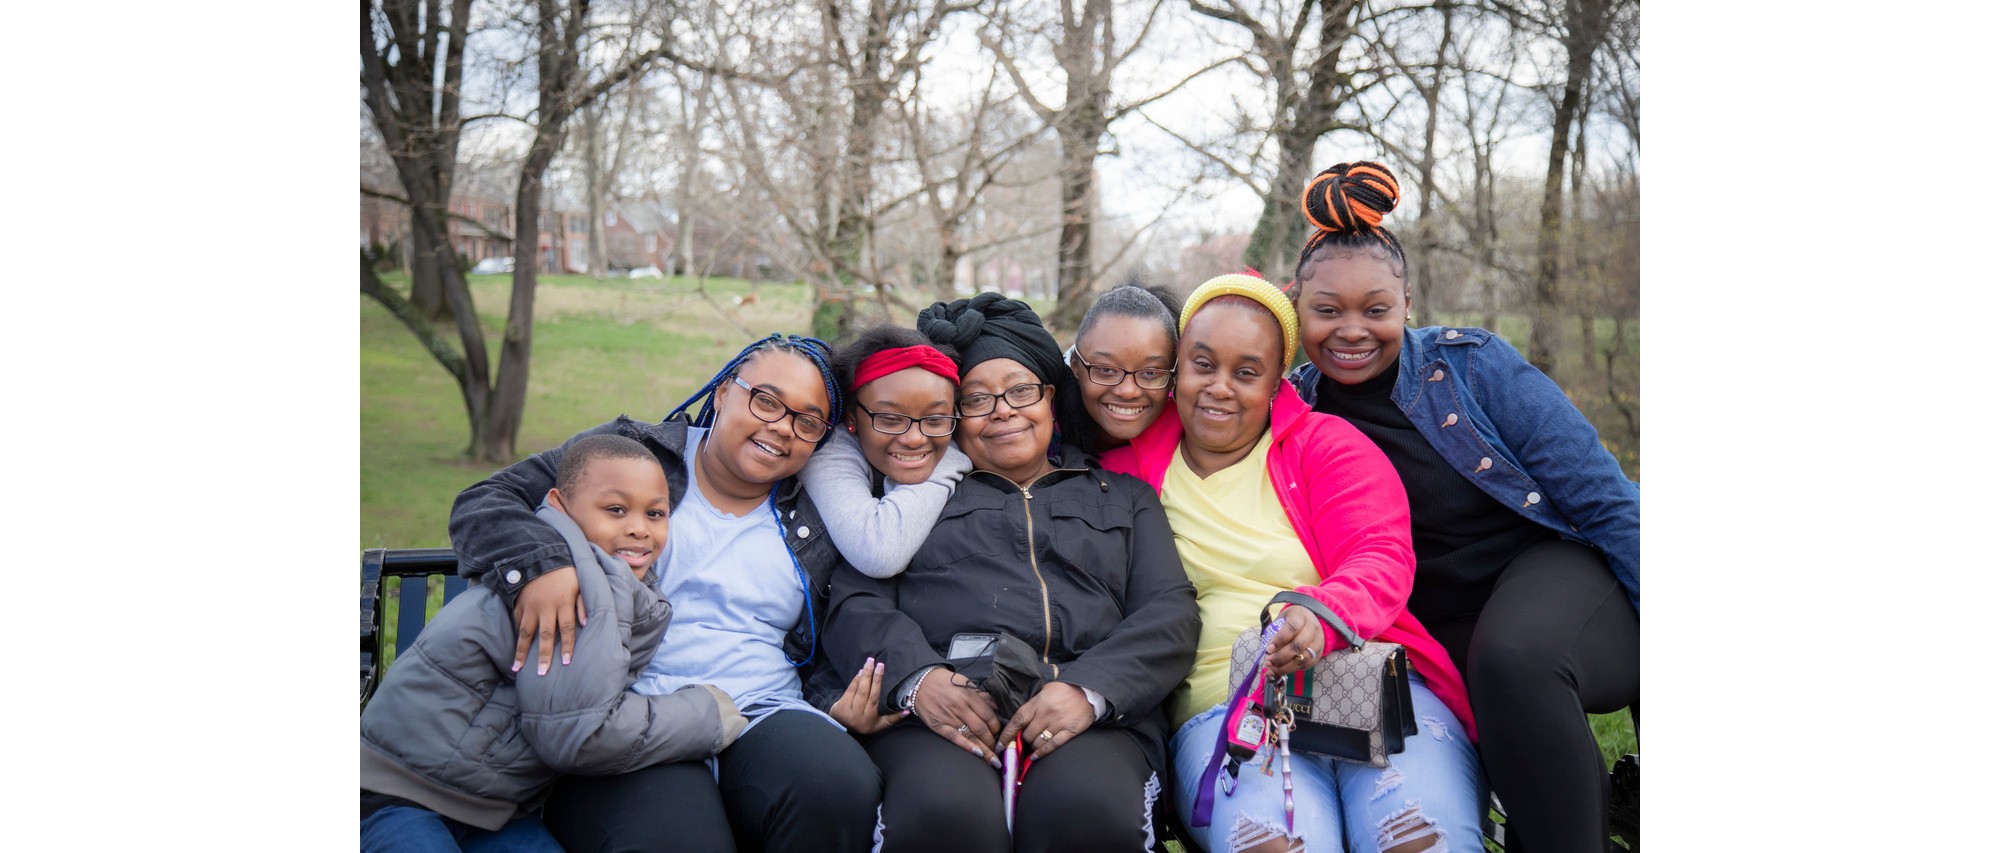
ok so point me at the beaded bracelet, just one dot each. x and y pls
(911, 706)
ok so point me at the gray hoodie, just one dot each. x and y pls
(454, 729)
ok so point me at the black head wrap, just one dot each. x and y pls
(990, 326)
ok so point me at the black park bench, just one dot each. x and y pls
(412, 569)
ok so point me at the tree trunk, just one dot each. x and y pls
(1281, 226)
(426, 283)
(1421, 281)
(1584, 20)
(493, 439)
(594, 180)
(946, 284)
(1078, 176)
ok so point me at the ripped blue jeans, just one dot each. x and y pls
(1430, 798)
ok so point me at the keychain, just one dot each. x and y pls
(1281, 725)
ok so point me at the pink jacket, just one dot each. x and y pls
(1344, 498)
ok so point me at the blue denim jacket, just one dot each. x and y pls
(1510, 430)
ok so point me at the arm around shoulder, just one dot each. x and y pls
(877, 536)
(493, 527)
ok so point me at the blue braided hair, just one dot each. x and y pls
(812, 349)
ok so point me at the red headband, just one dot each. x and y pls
(902, 358)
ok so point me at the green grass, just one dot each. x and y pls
(601, 349)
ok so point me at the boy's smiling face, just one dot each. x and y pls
(622, 505)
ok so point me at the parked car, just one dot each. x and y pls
(493, 266)
(648, 271)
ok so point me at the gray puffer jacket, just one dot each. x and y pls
(454, 729)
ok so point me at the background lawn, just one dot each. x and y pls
(601, 349)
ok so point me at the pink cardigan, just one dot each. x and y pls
(1349, 508)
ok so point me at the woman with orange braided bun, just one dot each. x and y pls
(1526, 531)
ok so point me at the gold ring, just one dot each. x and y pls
(1299, 656)
(1047, 735)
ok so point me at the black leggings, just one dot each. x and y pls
(792, 782)
(1096, 794)
(1557, 640)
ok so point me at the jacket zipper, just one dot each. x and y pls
(1034, 565)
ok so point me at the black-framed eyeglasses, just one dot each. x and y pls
(1149, 378)
(1020, 396)
(769, 409)
(892, 423)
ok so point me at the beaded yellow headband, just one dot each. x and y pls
(1264, 292)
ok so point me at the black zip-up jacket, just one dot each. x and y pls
(1081, 565)
(499, 541)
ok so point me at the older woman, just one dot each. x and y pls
(1075, 564)
(1266, 496)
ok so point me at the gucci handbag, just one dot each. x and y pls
(1353, 705)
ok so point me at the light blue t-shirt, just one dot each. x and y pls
(735, 595)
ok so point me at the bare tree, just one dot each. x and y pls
(815, 150)
(602, 168)
(1086, 50)
(561, 88)
(412, 70)
(1299, 49)
(493, 402)
(954, 170)
(1582, 28)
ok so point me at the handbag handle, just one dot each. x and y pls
(1316, 608)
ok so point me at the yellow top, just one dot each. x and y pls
(1239, 550)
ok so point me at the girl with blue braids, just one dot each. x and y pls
(746, 568)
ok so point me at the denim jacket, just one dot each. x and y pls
(1509, 429)
(499, 541)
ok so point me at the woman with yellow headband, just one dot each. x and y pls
(1265, 496)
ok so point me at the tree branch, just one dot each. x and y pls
(449, 214)
(373, 287)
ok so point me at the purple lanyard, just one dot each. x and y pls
(1204, 801)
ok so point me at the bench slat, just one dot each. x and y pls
(411, 619)
(453, 585)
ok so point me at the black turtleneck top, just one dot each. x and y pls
(1463, 537)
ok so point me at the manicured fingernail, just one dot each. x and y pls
(979, 752)
(541, 669)
(868, 663)
(880, 668)
(565, 658)
(906, 712)
(517, 666)
(996, 763)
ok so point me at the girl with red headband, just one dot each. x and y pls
(883, 480)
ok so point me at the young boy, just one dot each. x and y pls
(456, 748)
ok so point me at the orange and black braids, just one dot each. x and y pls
(1345, 205)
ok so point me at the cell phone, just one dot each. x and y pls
(970, 646)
